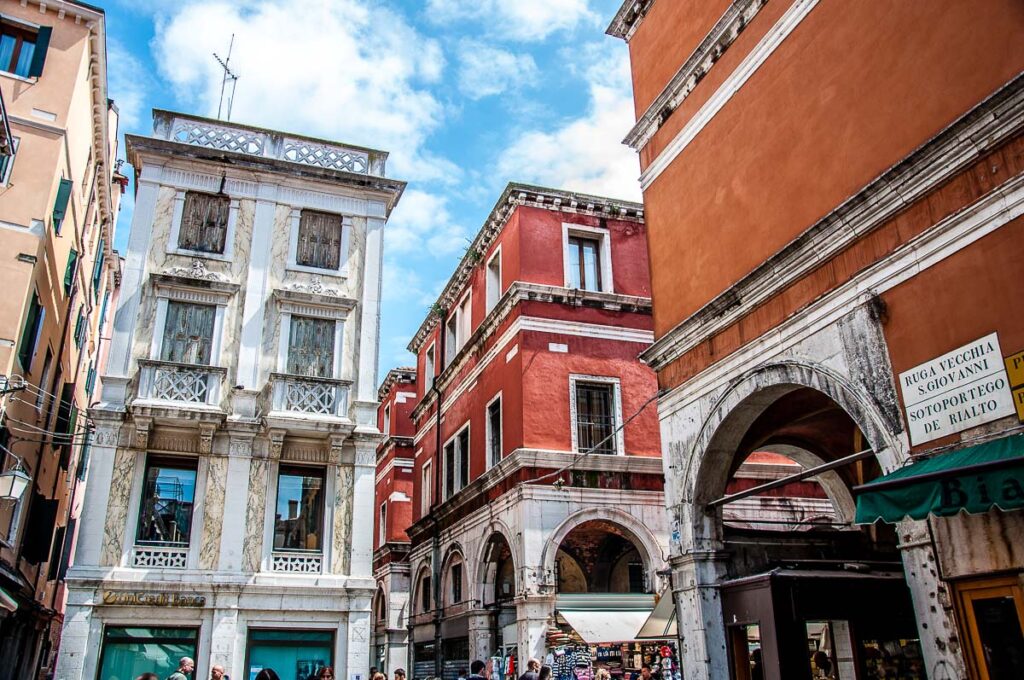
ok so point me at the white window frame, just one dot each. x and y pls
(458, 326)
(429, 366)
(604, 238)
(339, 317)
(387, 419)
(465, 313)
(179, 214)
(165, 294)
(616, 383)
(382, 517)
(427, 487)
(293, 245)
(15, 143)
(489, 432)
(493, 284)
(458, 461)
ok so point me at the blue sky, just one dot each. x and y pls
(466, 95)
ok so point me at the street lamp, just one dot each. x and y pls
(13, 483)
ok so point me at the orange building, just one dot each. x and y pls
(833, 194)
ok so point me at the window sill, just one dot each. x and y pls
(202, 254)
(333, 273)
(14, 76)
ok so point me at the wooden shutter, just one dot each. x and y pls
(39, 56)
(60, 206)
(188, 333)
(33, 320)
(69, 271)
(319, 242)
(311, 347)
(204, 222)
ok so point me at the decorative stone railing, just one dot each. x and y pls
(167, 381)
(315, 396)
(159, 557)
(297, 562)
(252, 141)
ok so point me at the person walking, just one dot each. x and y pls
(476, 670)
(217, 672)
(148, 676)
(399, 674)
(267, 674)
(545, 673)
(185, 667)
(532, 670)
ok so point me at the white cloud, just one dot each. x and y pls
(584, 153)
(485, 70)
(515, 19)
(422, 223)
(349, 70)
(127, 83)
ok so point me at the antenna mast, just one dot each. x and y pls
(228, 76)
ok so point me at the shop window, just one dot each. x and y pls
(168, 497)
(298, 654)
(595, 417)
(188, 333)
(456, 463)
(311, 347)
(494, 432)
(204, 222)
(299, 518)
(319, 240)
(128, 652)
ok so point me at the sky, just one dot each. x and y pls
(465, 95)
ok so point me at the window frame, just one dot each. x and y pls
(176, 224)
(167, 294)
(489, 431)
(493, 281)
(341, 271)
(386, 428)
(178, 463)
(430, 366)
(37, 333)
(323, 511)
(603, 236)
(286, 313)
(20, 30)
(426, 487)
(616, 384)
(8, 167)
(459, 457)
(382, 530)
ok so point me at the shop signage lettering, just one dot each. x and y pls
(956, 391)
(960, 492)
(144, 599)
(1015, 372)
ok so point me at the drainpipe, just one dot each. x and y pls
(435, 560)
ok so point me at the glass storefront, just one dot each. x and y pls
(292, 654)
(129, 652)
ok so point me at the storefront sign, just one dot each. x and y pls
(1015, 372)
(956, 391)
(144, 599)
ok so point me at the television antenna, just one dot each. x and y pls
(229, 76)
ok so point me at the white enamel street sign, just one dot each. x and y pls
(956, 391)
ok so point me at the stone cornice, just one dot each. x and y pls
(402, 374)
(514, 195)
(518, 292)
(966, 140)
(721, 36)
(628, 18)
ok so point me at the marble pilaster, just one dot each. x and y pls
(117, 507)
(341, 555)
(252, 547)
(213, 513)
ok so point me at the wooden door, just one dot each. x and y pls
(991, 614)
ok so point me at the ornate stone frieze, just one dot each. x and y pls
(206, 431)
(276, 443)
(174, 441)
(142, 426)
(315, 286)
(198, 271)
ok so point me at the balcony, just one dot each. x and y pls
(297, 562)
(296, 394)
(168, 382)
(159, 557)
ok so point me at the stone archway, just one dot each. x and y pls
(487, 569)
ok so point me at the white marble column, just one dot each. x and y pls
(74, 643)
(702, 645)
(357, 645)
(224, 633)
(97, 494)
(256, 287)
(363, 471)
(369, 324)
(236, 499)
(532, 615)
(481, 642)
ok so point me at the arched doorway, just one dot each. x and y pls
(498, 589)
(599, 556)
(784, 570)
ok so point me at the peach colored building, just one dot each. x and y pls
(834, 201)
(59, 197)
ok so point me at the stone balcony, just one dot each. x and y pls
(173, 384)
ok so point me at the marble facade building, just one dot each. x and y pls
(229, 510)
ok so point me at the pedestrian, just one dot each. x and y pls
(185, 668)
(462, 674)
(379, 676)
(373, 673)
(148, 676)
(532, 670)
(217, 673)
(476, 670)
(399, 674)
(267, 674)
(602, 674)
(545, 673)
(326, 673)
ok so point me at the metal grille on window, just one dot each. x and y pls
(311, 347)
(319, 243)
(188, 333)
(595, 417)
(204, 222)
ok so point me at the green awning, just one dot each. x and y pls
(974, 479)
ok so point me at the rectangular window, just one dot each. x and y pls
(319, 240)
(311, 347)
(425, 594)
(70, 270)
(80, 327)
(456, 463)
(387, 419)
(42, 398)
(426, 488)
(168, 497)
(299, 516)
(204, 222)
(494, 432)
(30, 333)
(428, 367)
(465, 320)
(298, 654)
(90, 380)
(451, 338)
(130, 652)
(23, 49)
(382, 530)
(188, 333)
(595, 417)
(584, 263)
(60, 205)
(456, 583)
(7, 161)
(97, 270)
(493, 280)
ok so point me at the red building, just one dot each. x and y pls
(537, 495)
(394, 488)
